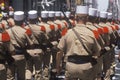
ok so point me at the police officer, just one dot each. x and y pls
(77, 66)
(35, 62)
(20, 41)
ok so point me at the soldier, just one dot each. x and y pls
(60, 24)
(91, 19)
(54, 35)
(10, 19)
(114, 37)
(46, 44)
(35, 62)
(107, 38)
(20, 41)
(78, 64)
(6, 49)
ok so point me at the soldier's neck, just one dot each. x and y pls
(33, 21)
(58, 18)
(19, 23)
(51, 19)
(44, 20)
(81, 22)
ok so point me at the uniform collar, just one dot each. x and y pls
(89, 23)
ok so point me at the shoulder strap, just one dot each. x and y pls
(15, 36)
(79, 37)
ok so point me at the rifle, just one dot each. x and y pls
(67, 19)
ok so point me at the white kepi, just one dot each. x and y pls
(82, 10)
(32, 14)
(18, 15)
(92, 12)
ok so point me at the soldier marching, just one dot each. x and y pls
(42, 47)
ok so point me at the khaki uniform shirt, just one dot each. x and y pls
(4, 24)
(71, 45)
(99, 38)
(11, 22)
(47, 27)
(21, 36)
(65, 23)
(35, 32)
(73, 22)
(106, 33)
(113, 36)
(61, 23)
(55, 25)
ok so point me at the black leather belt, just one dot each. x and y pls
(19, 51)
(82, 59)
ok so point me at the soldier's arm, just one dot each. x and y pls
(29, 41)
(61, 46)
(58, 60)
(96, 48)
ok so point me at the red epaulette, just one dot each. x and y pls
(42, 28)
(59, 26)
(28, 32)
(96, 34)
(100, 30)
(64, 31)
(5, 36)
(52, 27)
(105, 30)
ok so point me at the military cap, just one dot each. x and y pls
(109, 16)
(51, 13)
(44, 14)
(103, 14)
(67, 14)
(32, 14)
(81, 10)
(18, 15)
(92, 12)
(58, 13)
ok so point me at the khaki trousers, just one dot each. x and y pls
(79, 71)
(3, 74)
(34, 63)
(19, 68)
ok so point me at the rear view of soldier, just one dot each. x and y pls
(80, 47)
(20, 41)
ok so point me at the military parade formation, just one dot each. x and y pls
(80, 45)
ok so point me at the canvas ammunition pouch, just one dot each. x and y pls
(82, 59)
